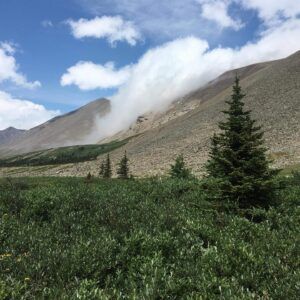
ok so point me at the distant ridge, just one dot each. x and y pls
(66, 130)
(9, 134)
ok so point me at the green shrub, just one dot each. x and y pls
(145, 239)
(179, 170)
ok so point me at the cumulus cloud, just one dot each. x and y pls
(172, 70)
(217, 11)
(9, 69)
(165, 19)
(113, 28)
(160, 20)
(88, 76)
(273, 11)
(8, 47)
(22, 114)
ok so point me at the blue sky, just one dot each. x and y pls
(67, 53)
(44, 53)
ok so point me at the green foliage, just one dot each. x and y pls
(62, 155)
(102, 169)
(296, 177)
(238, 157)
(178, 170)
(123, 168)
(107, 172)
(143, 239)
(89, 177)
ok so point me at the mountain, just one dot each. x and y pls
(9, 134)
(272, 93)
(69, 129)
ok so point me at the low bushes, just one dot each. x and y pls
(143, 239)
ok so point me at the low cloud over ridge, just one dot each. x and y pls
(174, 69)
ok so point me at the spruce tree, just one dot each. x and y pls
(102, 169)
(178, 170)
(107, 168)
(88, 177)
(238, 157)
(123, 170)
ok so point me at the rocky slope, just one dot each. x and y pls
(9, 134)
(272, 93)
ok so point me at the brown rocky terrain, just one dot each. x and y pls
(272, 93)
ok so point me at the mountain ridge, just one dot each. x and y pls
(272, 93)
(10, 133)
(65, 130)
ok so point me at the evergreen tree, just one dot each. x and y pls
(178, 170)
(123, 170)
(88, 177)
(238, 157)
(107, 168)
(102, 169)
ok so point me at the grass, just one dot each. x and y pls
(66, 238)
(291, 169)
(62, 155)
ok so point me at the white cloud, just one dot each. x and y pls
(217, 11)
(172, 70)
(88, 76)
(273, 11)
(275, 43)
(8, 47)
(47, 23)
(114, 29)
(165, 19)
(160, 20)
(22, 114)
(9, 69)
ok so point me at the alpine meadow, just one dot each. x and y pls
(181, 181)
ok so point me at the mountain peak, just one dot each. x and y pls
(10, 133)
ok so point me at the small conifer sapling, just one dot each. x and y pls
(178, 169)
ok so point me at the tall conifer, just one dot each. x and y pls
(102, 169)
(123, 170)
(107, 168)
(238, 157)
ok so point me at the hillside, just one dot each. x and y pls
(272, 93)
(66, 130)
(9, 134)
